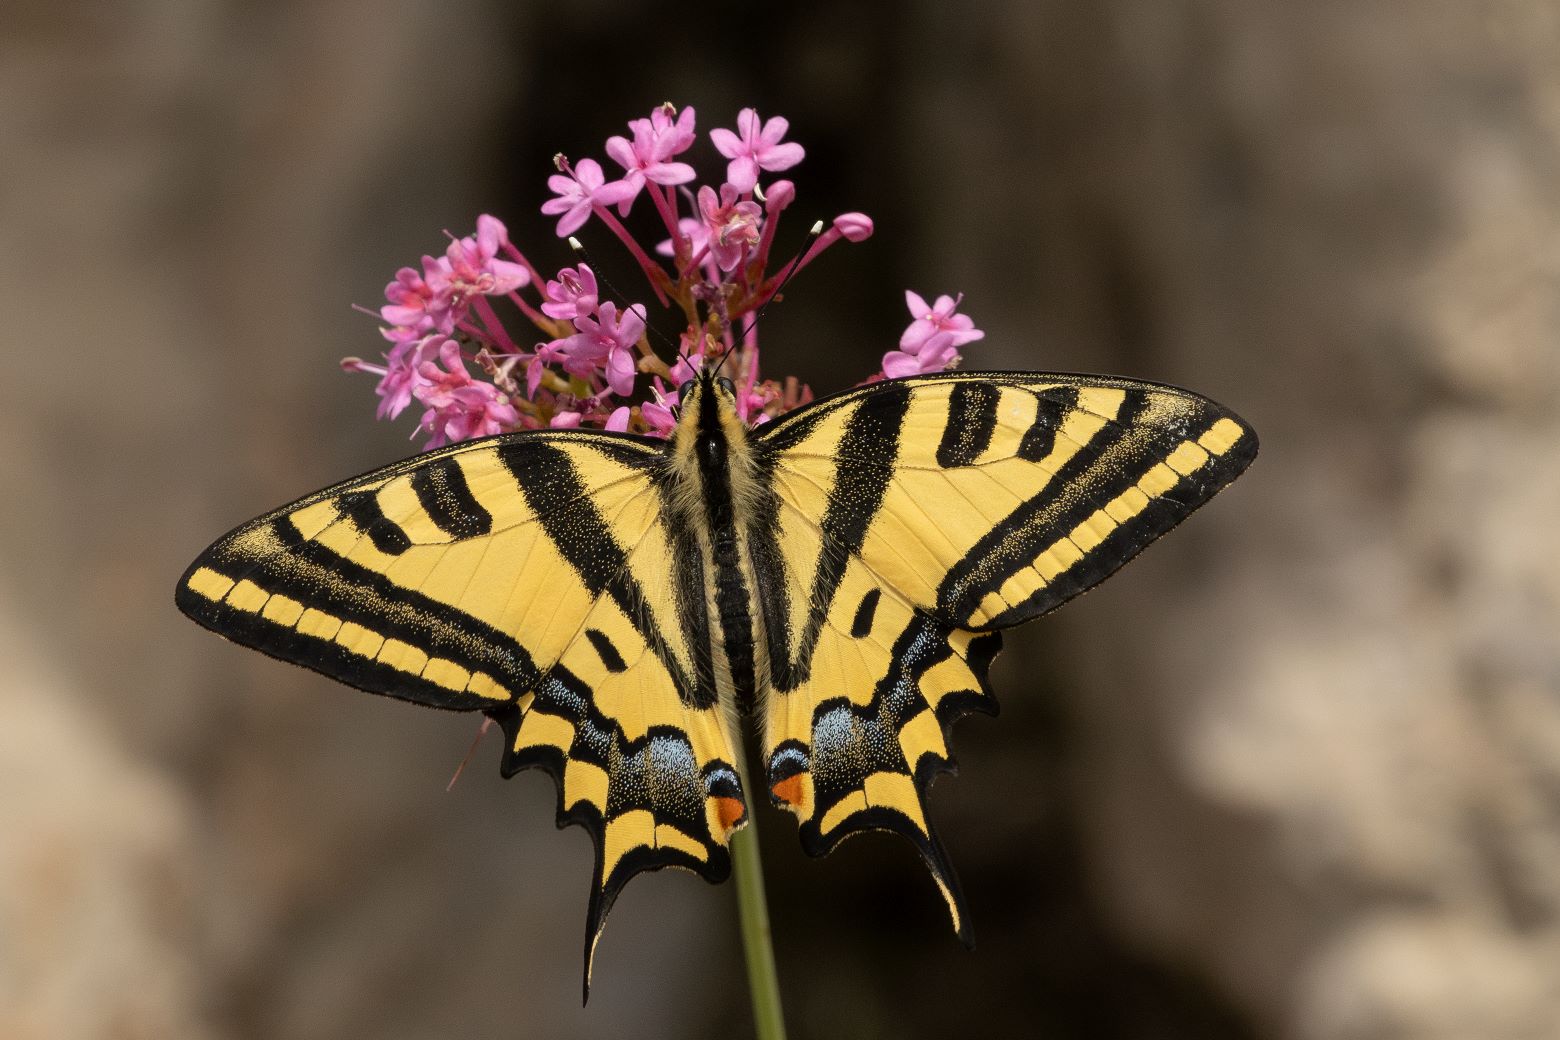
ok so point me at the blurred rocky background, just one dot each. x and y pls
(1294, 775)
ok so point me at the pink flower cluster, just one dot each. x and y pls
(594, 364)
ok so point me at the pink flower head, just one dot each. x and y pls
(573, 295)
(472, 266)
(722, 236)
(458, 407)
(755, 147)
(648, 156)
(607, 343)
(932, 342)
(581, 189)
(415, 305)
(732, 226)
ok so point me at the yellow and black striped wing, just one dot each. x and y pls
(915, 519)
(527, 576)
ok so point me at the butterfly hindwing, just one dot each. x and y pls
(528, 576)
(914, 519)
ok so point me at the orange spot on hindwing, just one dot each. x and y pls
(729, 811)
(789, 790)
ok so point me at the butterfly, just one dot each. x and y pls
(839, 578)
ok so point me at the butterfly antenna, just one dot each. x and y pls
(579, 250)
(790, 272)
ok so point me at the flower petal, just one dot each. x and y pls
(620, 372)
(782, 156)
(742, 173)
(896, 364)
(726, 142)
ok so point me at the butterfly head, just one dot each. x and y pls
(707, 399)
(708, 410)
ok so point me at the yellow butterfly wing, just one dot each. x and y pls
(530, 577)
(913, 520)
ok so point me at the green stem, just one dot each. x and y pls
(753, 913)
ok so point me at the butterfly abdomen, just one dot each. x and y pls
(709, 467)
(732, 598)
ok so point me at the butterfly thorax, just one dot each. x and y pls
(710, 471)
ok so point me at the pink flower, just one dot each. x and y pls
(492, 380)
(932, 320)
(757, 148)
(932, 342)
(697, 234)
(573, 295)
(550, 353)
(607, 343)
(935, 355)
(415, 304)
(732, 226)
(686, 367)
(439, 386)
(458, 407)
(752, 400)
(675, 127)
(472, 266)
(648, 156)
(577, 192)
(778, 196)
(399, 377)
(856, 227)
(658, 415)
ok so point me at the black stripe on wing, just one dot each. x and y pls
(867, 452)
(442, 491)
(279, 562)
(553, 488)
(1115, 461)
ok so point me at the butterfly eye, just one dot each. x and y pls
(726, 385)
(682, 391)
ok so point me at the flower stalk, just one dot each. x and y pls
(758, 950)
